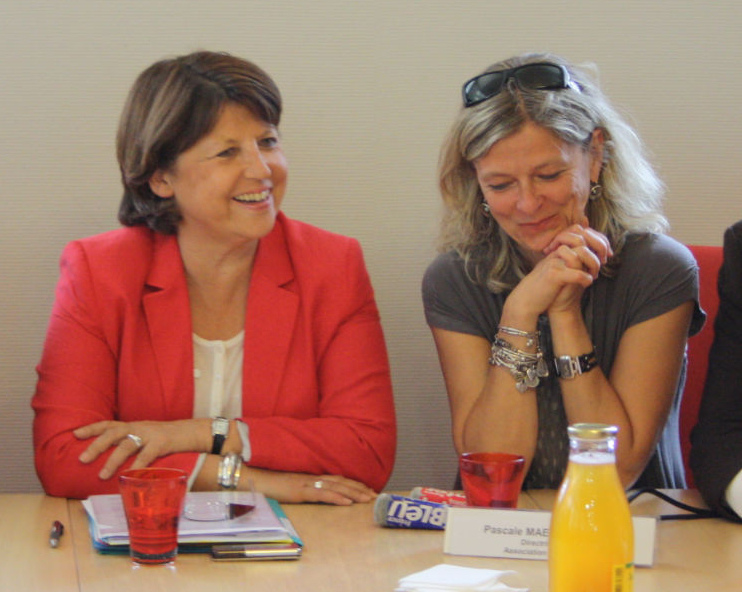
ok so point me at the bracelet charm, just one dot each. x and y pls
(525, 367)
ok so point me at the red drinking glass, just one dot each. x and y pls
(153, 501)
(491, 479)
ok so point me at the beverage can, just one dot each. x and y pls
(397, 511)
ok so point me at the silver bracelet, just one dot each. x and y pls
(527, 368)
(531, 337)
(235, 476)
(228, 475)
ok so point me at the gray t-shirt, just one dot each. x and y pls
(656, 274)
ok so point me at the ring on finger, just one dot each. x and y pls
(318, 484)
(136, 439)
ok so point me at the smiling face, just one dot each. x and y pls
(230, 184)
(536, 185)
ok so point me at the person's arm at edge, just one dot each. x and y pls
(716, 440)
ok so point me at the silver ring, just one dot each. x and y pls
(136, 439)
(318, 484)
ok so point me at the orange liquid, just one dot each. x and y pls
(591, 541)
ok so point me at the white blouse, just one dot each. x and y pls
(217, 377)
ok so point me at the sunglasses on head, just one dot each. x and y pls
(539, 76)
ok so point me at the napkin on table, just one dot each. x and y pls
(444, 577)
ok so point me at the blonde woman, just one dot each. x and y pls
(557, 298)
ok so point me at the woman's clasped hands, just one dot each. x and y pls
(572, 262)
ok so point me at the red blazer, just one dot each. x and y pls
(317, 393)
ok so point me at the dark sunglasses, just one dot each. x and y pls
(539, 76)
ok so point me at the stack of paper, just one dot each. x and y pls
(452, 577)
(265, 524)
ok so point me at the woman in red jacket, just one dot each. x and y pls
(212, 331)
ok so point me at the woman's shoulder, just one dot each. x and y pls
(453, 301)
(127, 241)
(733, 235)
(657, 273)
(308, 235)
(317, 255)
(122, 257)
(307, 243)
(649, 250)
(447, 278)
(445, 267)
(111, 268)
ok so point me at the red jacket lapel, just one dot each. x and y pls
(272, 306)
(168, 315)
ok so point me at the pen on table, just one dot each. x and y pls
(56, 534)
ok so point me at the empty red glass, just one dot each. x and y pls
(491, 479)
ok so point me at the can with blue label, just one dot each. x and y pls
(397, 511)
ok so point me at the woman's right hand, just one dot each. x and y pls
(155, 439)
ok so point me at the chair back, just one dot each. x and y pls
(709, 260)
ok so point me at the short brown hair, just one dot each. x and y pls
(172, 105)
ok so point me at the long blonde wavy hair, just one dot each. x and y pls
(632, 192)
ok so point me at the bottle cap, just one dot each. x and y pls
(592, 431)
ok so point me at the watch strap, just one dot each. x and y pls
(219, 431)
(570, 367)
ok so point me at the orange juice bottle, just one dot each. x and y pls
(591, 539)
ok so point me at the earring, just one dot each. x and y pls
(596, 190)
(485, 208)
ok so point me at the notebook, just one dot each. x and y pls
(266, 523)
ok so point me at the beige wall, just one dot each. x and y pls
(370, 88)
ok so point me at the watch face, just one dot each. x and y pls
(220, 426)
(566, 367)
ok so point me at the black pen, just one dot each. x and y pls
(56, 534)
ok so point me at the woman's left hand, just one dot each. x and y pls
(301, 487)
(148, 440)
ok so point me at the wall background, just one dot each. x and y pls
(370, 88)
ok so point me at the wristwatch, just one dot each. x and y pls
(568, 367)
(219, 431)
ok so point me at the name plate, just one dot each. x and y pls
(523, 534)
